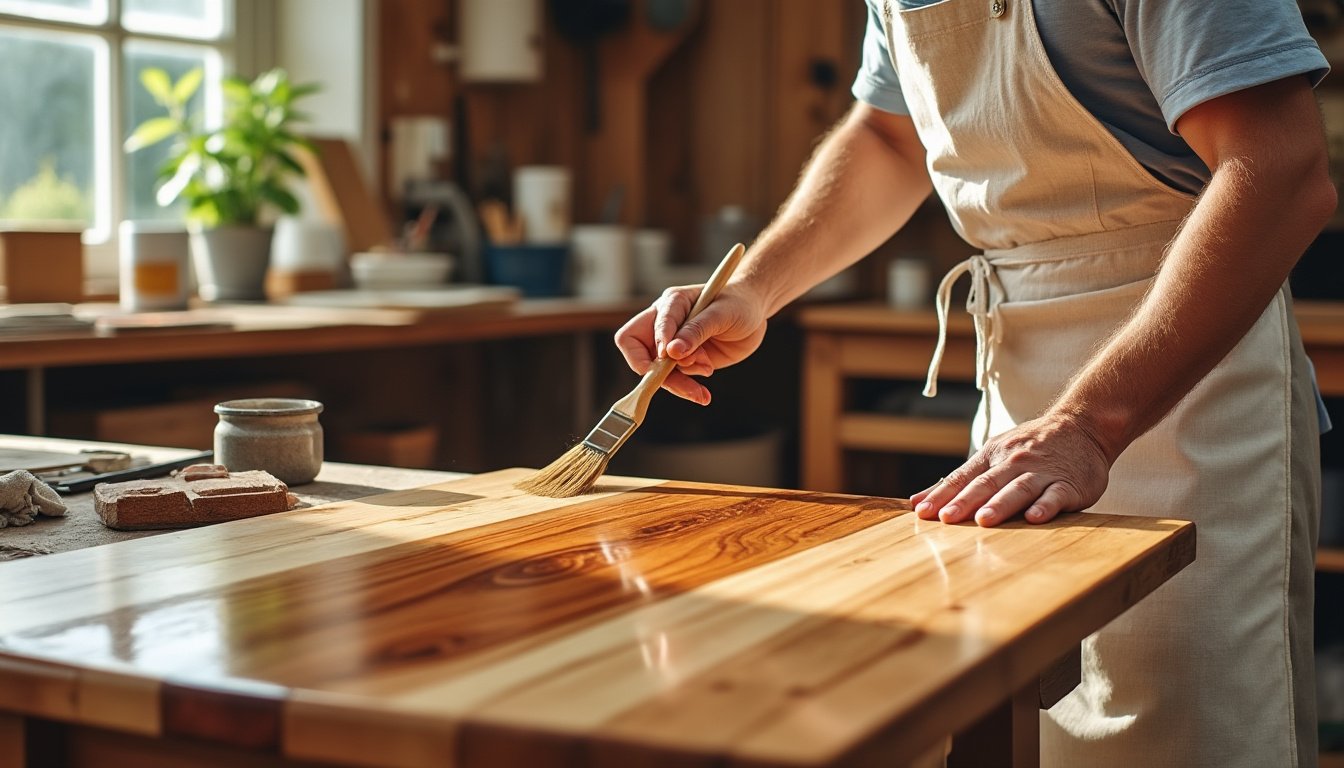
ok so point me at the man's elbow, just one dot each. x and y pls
(1297, 174)
(1320, 198)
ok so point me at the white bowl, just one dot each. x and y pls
(389, 269)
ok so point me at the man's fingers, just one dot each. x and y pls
(1038, 469)
(699, 329)
(685, 387)
(633, 341)
(671, 308)
(937, 502)
(1016, 496)
(696, 369)
(1054, 499)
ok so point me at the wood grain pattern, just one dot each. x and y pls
(652, 623)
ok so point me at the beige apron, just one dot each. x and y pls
(1215, 667)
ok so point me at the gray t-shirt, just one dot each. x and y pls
(1138, 65)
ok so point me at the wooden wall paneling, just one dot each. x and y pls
(617, 152)
(728, 117)
(735, 115)
(805, 34)
(410, 81)
(672, 182)
(510, 125)
(729, 75)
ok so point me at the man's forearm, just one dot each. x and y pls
(1258, 214)
(863, 183)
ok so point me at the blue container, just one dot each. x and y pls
(539, 271)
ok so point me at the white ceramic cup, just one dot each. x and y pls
(153, 266)
(908, 283)
(306, 245)
(652, 253)
(541, 195)
(602, 261)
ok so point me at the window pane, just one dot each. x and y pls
(185, 18)
(48, 135)
(81, 11)
(142, 167)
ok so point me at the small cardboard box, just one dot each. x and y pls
(42, 266)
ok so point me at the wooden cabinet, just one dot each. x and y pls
(848, 342)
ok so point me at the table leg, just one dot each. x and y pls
(823, 399)
(36, 405)
(1008, 737)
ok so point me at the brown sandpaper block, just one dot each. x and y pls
(198, 495)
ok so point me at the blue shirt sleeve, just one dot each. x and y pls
(876, 83)
(1192, 51)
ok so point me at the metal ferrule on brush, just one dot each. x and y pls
(610, 432)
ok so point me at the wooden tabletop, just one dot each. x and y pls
(467, 624)
(81, 527)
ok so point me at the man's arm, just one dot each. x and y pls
(1269, 196)
(863, 183)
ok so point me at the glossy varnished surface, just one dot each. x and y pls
(465, 622)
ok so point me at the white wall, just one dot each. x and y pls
(331, 42)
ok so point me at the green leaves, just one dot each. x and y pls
(159, 86)
(151, 132)
(187, 85)
(280, 197)
(230, 174)
(236, 90)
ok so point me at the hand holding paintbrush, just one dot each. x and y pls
(578, 470)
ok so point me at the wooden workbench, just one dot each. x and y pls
(270, 331)
(262, 329)
(847, 342)
(80, 527)
(651, 623)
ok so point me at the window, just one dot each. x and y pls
(71, 94)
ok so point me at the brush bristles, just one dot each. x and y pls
(573, 473)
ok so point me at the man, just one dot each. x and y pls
(1139, 176)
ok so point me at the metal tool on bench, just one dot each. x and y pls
(54, 463)
(97, 462)
(149, 470)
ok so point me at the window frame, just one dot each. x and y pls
(240, 47)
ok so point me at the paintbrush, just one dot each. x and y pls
(578, 470)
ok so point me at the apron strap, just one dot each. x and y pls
(981, 309)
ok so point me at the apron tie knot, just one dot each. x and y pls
(981, 308)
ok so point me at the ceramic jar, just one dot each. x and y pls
(279, 435)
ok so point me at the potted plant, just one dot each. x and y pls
(230, 177)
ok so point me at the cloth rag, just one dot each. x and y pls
(23, 497)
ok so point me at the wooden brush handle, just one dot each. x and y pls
(636, 403)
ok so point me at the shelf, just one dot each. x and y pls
(1332, 760)
(1330, 559)
(904, 434)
